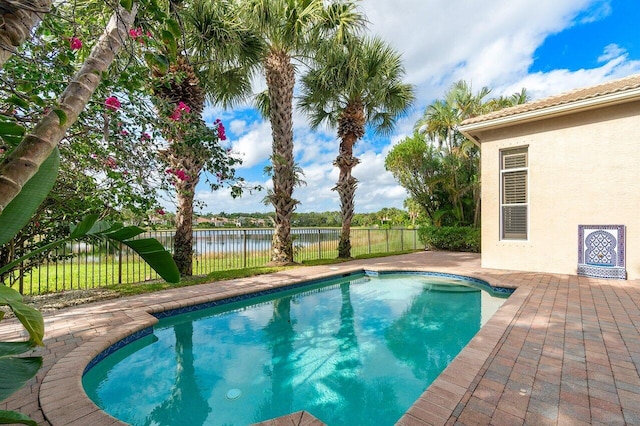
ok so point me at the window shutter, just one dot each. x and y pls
(514, 193)
(514, 222)
(514, 160)
(514, 187)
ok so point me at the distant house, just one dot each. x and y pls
(219, 221)
(202, 220)
(561, 182)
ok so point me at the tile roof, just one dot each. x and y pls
(608, 88)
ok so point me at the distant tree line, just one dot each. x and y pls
(386, 217)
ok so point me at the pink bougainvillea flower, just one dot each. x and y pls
(180, 174)
(112, 103)
(111, 163)
(135, 32)
(184, 107)
(138, 35)
(176, 115)
(160, 212)
(75, 43)
(221, 131)
(145, 136)
(123, 132)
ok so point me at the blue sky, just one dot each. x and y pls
(546, 46)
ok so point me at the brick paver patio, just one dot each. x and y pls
(562, 350)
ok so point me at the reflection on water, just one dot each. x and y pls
(357, 352)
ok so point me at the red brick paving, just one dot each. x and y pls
(563, 350)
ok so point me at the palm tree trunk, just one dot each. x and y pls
(350, 129)
(346, 188)
(18, 18)
(280, 78)
(24, 161)
(185, 193)
(183, 239)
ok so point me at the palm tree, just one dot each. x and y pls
(439, 123)
(350, 86)
(218, 58)
(291, 29)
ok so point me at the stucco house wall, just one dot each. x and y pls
(583, 169)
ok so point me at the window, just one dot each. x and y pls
(514, 198)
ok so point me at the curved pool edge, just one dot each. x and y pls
(75, 407)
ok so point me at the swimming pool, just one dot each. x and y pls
(353, 350)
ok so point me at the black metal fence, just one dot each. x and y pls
(81, 265)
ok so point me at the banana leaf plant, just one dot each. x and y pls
(16, 369)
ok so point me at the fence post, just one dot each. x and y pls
(21, 276)
(319, 246)
(369, 239)
(402, 239)
(244, 248)
(120, 263)
(387, 235)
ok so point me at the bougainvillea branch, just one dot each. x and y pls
(23, 162)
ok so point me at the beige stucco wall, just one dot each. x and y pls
(584, 169)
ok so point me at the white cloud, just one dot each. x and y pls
(446, 40)
(221, 200)
(254, 146)
(238, 127)
(611, 51)
(554, 82)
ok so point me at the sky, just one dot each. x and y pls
(545, 46)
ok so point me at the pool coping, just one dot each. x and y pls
(57, 409)
(529, 330)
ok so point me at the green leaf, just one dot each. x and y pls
(127, 4)
(123, 233)
(174, 27)
(170, 41)
(13, 417)
(62, 116)
(81, 229)
(20, 210)
(25, 86)
(37, 100)
(7, 294)
(157, 61)
(15, 372)
(31, 320)
(157, 257)
(14, 348)
(11, 128)
(18, 101)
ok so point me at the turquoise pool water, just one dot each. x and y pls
(357, 350)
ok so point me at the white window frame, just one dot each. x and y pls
(524, 203)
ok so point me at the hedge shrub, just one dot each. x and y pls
(450, 238)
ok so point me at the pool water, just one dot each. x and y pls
(357, 350)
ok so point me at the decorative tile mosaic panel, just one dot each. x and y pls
(601, 251)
